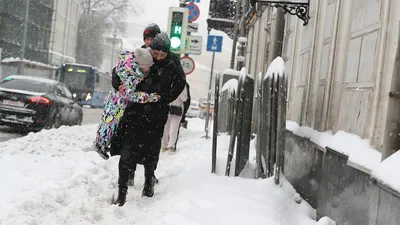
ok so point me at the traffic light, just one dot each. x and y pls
(177, 28)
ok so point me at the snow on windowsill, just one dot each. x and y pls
(361, 155)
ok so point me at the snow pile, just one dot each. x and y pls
(231, 85)
(232, 72)
(50, 178)
(326, 221)
(277, 67)
(384, 172)
(359, 150)
(244, 74)
(242, 40)
(55, 142)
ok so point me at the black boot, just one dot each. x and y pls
(148, 189)
(121, 199)
(155, 179)
(131, 180)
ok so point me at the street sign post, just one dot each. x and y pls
(214, 43)
(193, 45)
(187, 65)
(193, 27)
(194, 12)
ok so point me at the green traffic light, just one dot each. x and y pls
(177, 30)
(175, 42)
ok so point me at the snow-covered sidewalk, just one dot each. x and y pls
(50, 178)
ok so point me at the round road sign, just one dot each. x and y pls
(194, 12)
(187, 65)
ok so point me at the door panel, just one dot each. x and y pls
(73, 113)
(65, 106)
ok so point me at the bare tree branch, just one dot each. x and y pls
(98, 17)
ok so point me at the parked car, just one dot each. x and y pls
(37, 103)
(194, 110)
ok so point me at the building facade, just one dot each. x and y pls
(110, 43)
(37, 15)
(64, 32)
(340, 64)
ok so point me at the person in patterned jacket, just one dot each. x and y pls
(138, 136)
(131, 68)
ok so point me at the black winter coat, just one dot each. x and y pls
(166, 79)
(178, 75)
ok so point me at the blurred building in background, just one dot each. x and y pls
(64, 32)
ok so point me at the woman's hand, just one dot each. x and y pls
(121, 87)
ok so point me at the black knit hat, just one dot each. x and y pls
(151, 30)
(161, 43)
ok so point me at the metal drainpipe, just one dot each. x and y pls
(259, 14)
(378, 84)
(243, 33)
(330, 77)
(236, 32)
(310, 66)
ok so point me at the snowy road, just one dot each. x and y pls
(50, 178)
(90, 116)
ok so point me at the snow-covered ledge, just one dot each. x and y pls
(361, 155)
(28, 63)
(387, 172)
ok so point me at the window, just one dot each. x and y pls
(26, 85)
(67, 92)
(59, 91)
(363, 43)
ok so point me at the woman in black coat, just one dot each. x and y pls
(139, 134)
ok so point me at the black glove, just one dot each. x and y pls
(115, 80)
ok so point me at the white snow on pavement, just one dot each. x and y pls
(51, 177)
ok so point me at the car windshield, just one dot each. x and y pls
(25, 85)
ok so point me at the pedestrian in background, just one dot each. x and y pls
(171, 128)
(184, 122)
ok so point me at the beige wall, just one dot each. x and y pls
(339, 65)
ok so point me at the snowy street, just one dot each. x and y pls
(52, 177)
